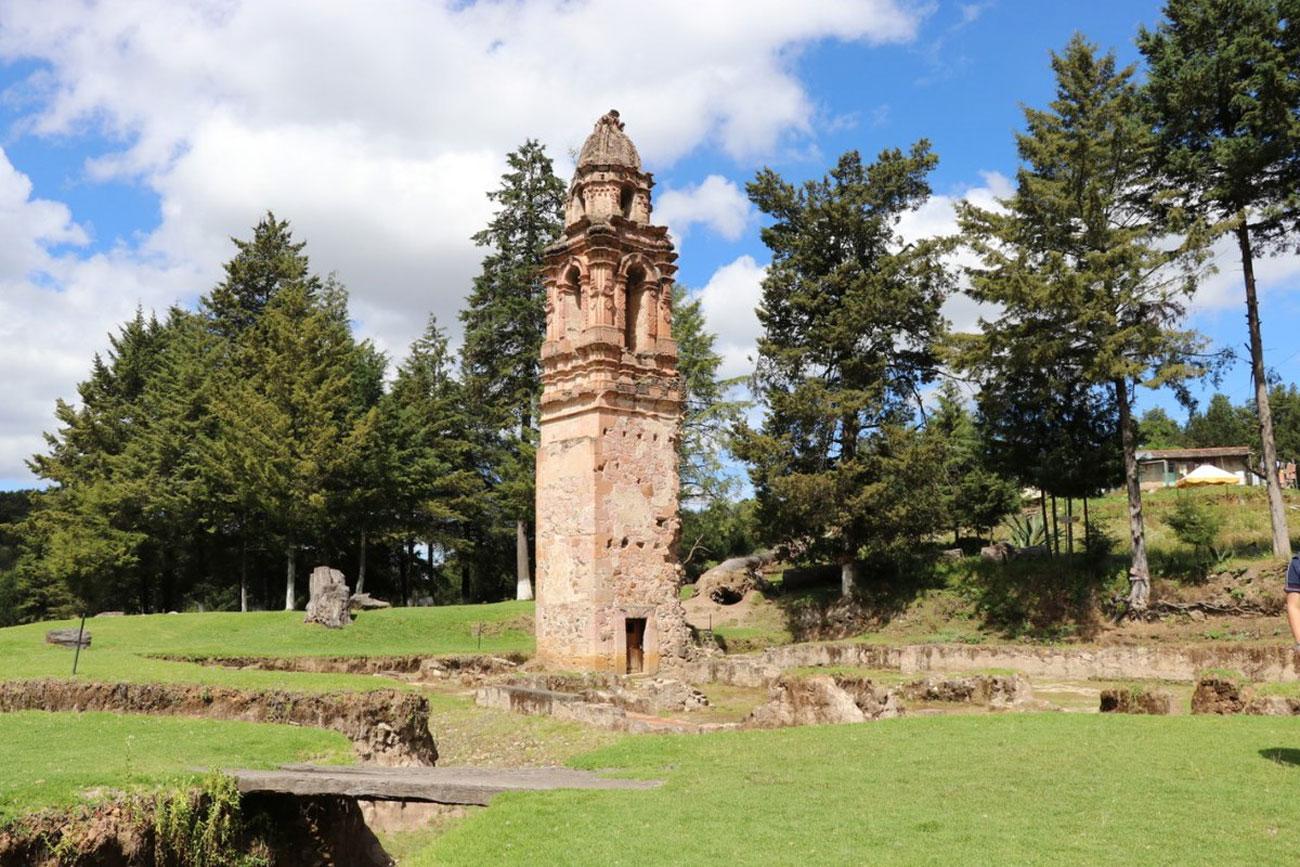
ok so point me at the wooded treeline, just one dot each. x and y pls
(215, 454)
(214, 451)
(1087, 270)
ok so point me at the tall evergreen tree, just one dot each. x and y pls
(973, 494)
(708, 416)
(1083, 280)
(1224, 91)
(437, 486)
(1221, 424)
(263, 266)
(283, 412)
(1156, 430)
(851, 317)
(505, 321)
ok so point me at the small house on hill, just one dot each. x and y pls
(1162, 468)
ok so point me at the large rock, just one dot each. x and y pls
(366, 602)
(996, 691)
(67, 637)
(1158, 702)
(795, 701)
(328, 603)
(729, 581)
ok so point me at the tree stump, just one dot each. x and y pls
(328, 602)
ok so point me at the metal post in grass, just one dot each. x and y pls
(81, 631)
(480, 635)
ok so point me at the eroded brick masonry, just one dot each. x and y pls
(607, 525)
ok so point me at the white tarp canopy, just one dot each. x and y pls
(1206, 474)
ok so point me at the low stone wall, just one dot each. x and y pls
(1217, 695)
(387, 727)
(424, 667)
(578, 708)
(1156, 702)
(1183, 664)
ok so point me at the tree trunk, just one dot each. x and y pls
(408, 576)
(1042, 505)
(523, 578)
(1139, 575)
(243, 575)
(1276, 506)
(289, 572)
(361, 565)
(1087, 525)
(848, 577)
(405, 573)
(1056, 531)
(1069, 525)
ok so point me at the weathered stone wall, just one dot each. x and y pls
(1183, 664)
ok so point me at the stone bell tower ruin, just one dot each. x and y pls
(607, 573)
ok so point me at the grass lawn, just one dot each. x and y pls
(1005, 788)
(121, 646)
(52, 759)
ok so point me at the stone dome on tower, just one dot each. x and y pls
(608, 145)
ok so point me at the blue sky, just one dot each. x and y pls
(137, 138)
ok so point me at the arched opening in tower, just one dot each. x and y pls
(626, 198)
(637, 319)
(572, 302)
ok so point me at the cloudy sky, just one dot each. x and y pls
(137, 137)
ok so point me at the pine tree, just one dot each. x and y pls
(505, 321)
(263, 265)
(1222, 424)
(708, 415)
(428, 423)
(973, 495)
(1088, 288)
(1156, 430)
(91, 529)
(1225, 96)
(851, 318)
(283, 410)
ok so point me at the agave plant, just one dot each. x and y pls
(1026, 532)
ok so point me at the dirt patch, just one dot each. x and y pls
(386, 727)
(281, 831)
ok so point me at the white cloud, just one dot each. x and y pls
(729, 302)
(376, 132)
(715, 202)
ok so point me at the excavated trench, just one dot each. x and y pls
(386, 727)
(279, 830)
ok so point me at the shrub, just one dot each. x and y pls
(1197, 526)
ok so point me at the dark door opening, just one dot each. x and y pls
(635, 645)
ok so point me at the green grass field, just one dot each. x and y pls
(996, 789)
(56, 759)
(122, 647)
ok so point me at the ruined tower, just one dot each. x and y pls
(607, 573)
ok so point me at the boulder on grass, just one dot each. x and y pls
(1158, 702)
(67, 637)
(328, 602)
(366, 602)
